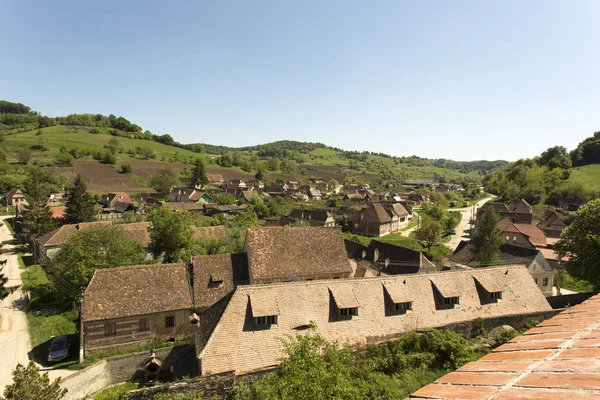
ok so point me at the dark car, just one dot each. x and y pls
(59, 349)
(453, 232)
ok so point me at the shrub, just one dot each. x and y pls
(108, 158)
(479, 327)
(126, 169)
(64, 159)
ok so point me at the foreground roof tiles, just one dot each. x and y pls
(559, 359)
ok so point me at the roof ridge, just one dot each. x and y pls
(381, 278)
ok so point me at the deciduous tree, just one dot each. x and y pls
(429, 232)
(29, 384)
(163, 180)
(580, 242)
(3, 289)
(171, 234)
(487, 240)
(79, 207)
(92, 248)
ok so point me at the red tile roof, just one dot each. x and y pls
(559, 359)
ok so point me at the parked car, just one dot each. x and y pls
(453, 232)
(59, 348)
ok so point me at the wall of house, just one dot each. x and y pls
(311, 277)
(515, 238)
(128, 334)
(540, 270)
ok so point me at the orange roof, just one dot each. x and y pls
(556, 360)
(58, 212)
(536, 236)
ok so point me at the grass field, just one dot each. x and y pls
(587, 176)
(322, 163)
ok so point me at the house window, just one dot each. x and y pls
(405, 306)
(170, 321)
(536, 281)
(266, 320)
(144, 324)
(451, 300)
(349, 312)
(514, 238)
(496, 295)
(508, 238)
(337, 276)
(110, 329)
(545, 282)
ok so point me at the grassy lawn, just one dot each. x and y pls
(9, 224)
(571, 283)
(48, 316)
(587, 176)
(436, 253)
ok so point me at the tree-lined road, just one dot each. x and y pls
(462, 232)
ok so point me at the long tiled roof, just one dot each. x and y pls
(137, 290)
(60, 235)
(215, 277)
(278, 252)
(236, 345)
(559, 359)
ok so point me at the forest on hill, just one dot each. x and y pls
(553, 175)
(29, 136)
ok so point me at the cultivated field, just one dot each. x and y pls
(100, 178)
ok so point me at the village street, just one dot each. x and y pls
(462, 230)
(14, 336)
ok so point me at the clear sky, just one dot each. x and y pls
(440, 79)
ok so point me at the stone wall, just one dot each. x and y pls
(569, 299)
(182, 360)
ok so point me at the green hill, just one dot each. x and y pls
(587, 176)
(66, 143)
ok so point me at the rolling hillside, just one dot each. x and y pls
(586, 176)
(78, 142)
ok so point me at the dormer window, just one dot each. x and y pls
(496, 296)
(451, 300)
(489, 289)
(266, 320)
(215, 280)
(345, 300)
(348, 312)
(404, 306)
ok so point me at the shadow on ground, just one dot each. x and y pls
(39, 354)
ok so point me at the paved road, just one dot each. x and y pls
(14, 336)
(462, 231)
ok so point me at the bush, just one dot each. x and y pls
(64, 159)
(108, 158)
(479, 327)
(126, 169)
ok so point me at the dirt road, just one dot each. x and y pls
(14, 336)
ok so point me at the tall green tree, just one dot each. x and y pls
(92, 248)
(429, 232)
(80, 207)
(171, 234)
(3, 289)
(164, 180)
(29, 384)
(37, 218)
(199, 177)
(580, 242)
(487, 240)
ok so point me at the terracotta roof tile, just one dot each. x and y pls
(281, 252)
(236, 345)
(559, 360)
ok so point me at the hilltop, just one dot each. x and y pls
(75, 143)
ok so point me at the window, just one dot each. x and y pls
(496, 295)
(144, 324)
(170, 321)
(514, 238)
(536, 281)
(337, 276)
(451, 300)
(406, 306)
(545, 282)
(508, 238)
(348, 312)
(267, 320)
(110, 329)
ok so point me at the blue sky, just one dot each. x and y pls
(440, 79)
